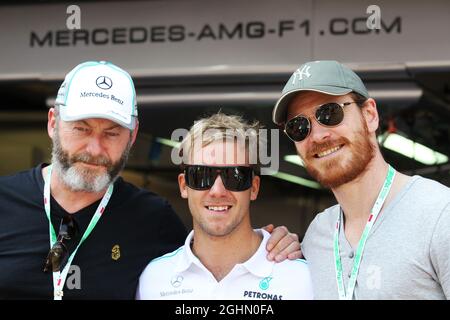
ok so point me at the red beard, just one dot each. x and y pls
(332, 173)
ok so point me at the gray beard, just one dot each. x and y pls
(77, 179)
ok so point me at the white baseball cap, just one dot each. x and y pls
(98, 89)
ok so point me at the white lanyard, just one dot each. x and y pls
(59, 277)
(362, 242)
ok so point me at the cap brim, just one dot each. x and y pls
(280, 109)
(100, 115)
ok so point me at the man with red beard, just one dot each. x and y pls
(388, 237)
(74, 228)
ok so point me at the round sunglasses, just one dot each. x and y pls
(328, 115)
(234, 178)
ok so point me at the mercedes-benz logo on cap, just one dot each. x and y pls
(104, 83)
(176, 281)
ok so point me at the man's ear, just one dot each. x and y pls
(370, 114)
(51, 122)
(255, 188)
(182, 186)
(135, 131)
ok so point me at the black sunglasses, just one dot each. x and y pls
(329, 115)
(235, 178)
(68, 229)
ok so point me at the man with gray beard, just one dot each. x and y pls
(81, 180)
(74, 229)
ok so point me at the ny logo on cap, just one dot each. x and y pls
(300, 73)
(104, 83)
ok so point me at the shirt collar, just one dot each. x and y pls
(257, 264)
(187, 257)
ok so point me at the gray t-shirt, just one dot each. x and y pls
(407, 253)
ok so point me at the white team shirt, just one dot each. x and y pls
(180, 275)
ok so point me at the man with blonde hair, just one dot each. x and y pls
(223, 257)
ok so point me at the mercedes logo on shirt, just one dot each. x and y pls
(176, 281)
(104, 83)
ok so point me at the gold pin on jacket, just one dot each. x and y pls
(115, 255)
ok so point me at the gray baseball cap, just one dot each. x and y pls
(330, 77)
